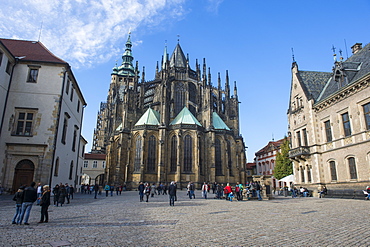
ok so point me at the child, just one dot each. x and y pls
(231, 196)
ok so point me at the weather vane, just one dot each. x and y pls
(178, 38)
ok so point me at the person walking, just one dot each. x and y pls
(172, 193)
(204, 190)
(258, 188)
(18, 198)
(111, 190)
(29, 197)
(141, 191)
(107, 189)
(96, 190)
(71, 191)
(68, 192)
(45, 203)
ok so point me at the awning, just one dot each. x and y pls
(287, 179)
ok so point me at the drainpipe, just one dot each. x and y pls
(7, 94)
(57, 126)
(78, 146)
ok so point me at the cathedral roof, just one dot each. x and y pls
(185, 117)
(178, 58)
(218, 123)
(150, 117)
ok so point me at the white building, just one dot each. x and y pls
(41, 110)
(93, 168)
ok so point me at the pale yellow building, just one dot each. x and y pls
(329, 124)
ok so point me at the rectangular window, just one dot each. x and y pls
(86, 163)
(78, 106)
(8, 68)
(32, 75)
(24, 123)
(299, 141)
(95, 164)
(305, 139)
(329, 136)
(367, 115)
(74, 139)
(103, 164)
(346, 124)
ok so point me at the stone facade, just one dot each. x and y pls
(93, 168)
(329, 124)
(41, 116)
(177, 127)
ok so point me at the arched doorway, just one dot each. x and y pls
(23, 174)
(99, 179)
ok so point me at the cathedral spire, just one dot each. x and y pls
(235, 90)
(143, 75)
(227, 86)
(219, 81)
(164, 59)
(209, 76)
(127, 67)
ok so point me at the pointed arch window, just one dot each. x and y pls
(56, 168)
(179, 97)
(71, 170)
(218, 158)
(152, 147)
(173, 166)
(188, 153)
(229, 160)
(137, 161)
(352, 168)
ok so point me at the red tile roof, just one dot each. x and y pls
(272, 145)
(30, 51)
(95, 156)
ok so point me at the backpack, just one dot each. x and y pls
(237, 189)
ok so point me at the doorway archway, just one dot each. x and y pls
(23, 174)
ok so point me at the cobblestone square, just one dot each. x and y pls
(124, 221)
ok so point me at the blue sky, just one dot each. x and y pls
(253, 40)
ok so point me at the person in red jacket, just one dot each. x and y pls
(227, 191)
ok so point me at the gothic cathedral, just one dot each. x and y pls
(177, 127)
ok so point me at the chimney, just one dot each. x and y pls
(356, 47)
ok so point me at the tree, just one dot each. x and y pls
(283, 165)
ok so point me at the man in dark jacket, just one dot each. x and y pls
(141, 191)
(29, 197)
(172, 193)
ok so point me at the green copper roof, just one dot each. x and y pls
(218, 123)
(185, 117)
(150, 117)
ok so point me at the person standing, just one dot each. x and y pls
(45, 203)
(68, 192)
(141, 191)
(172, 193)
(39, 193)
(147, 191)
(29, 197)
(258, 190)
(56, 195)
(18, 198)
(111, 190)
(204, 190)
(71, 191)
(62, 195)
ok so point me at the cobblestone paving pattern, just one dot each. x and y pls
(124, 221)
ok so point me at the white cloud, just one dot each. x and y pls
(83, 32)
(213, 5)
